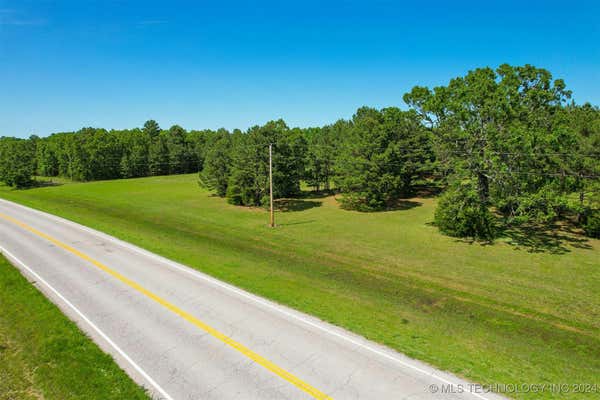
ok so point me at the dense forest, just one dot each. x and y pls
(504, 147)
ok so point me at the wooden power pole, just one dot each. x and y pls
(272, 222)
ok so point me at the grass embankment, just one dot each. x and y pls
(43, 355)
(499, 313)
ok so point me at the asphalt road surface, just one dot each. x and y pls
(185, 335)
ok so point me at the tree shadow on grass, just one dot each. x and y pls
(427, 191)
(400, 205)
(293, 205)
(36, 184)
(309, 221)
(552, 239)
(313, 194)
(395, 205)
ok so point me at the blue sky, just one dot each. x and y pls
(115, 64)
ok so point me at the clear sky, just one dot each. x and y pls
(115, 64)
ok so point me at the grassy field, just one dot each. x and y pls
(43, 355)
(523, 310)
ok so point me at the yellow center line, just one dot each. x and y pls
(314, 392)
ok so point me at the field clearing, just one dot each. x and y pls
(43, 355)
(502, 313)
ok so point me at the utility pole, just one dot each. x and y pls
(272, 222)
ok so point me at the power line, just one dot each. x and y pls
(119, 163)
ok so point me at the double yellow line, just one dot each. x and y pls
(314, 392)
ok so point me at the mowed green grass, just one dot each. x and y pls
(43, 355)
(491, 313)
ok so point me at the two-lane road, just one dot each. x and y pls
(185, 335)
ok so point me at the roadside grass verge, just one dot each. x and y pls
(500, 313)
(43, 355)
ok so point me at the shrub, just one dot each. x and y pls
(361, 201)
(460, 213)
(18, 163)
(591, 224)
(239, 190)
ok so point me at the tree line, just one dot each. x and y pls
(506, 145)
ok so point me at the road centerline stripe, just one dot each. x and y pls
(260, 360)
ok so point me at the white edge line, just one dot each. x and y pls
(266, 303)
(90, 323)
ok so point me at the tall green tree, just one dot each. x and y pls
(102, 154)
(135, 146)
(158, 156)
(583, 164)
(498, 129)
(382, 155)
(47, 160)
(151, 128)
(17, 162)
(197, 145)
(217, 163)
(248, 183)
(72, 156)
(181, 157)
(158, 152)
(322, 151)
